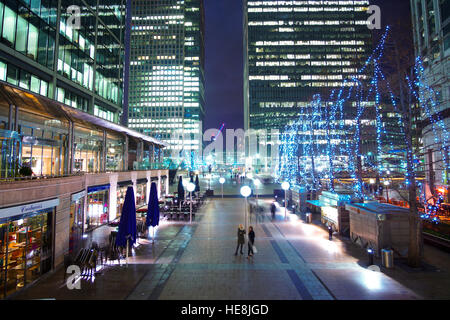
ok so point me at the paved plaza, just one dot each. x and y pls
(295, 261)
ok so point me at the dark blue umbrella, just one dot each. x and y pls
(127, 225)
(197, 185)
(153, 209)
(180, 189)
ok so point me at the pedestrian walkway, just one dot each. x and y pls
(295, 261)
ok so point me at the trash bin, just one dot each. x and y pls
(308, 218)
(387, 258)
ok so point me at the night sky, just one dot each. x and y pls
(224, 56)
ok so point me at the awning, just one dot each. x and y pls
(98, 188)
(139, 181)
(124, 183)
(318, 203)
(26, 210)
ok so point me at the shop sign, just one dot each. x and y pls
(77, 196)
(28, 208)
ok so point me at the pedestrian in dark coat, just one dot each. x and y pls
(240, 239)
(273, 209)
(330, 232)
(251, 241)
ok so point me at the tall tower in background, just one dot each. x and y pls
(431, 24)
(166, 80)
(295, 49)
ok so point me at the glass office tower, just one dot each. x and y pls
(295, 49)
(166, 94)
(44, 49)
(431, 28)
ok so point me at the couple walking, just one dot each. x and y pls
(241, 240)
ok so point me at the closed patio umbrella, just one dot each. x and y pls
(153, 209)
(126, 235)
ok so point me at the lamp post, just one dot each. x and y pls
(185, 184)
(386, 183)
(222, 181)
(209, 181)
(285, 186)
(245, 192)
(190, 187)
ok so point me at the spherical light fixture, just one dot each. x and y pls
(285, 185)
(246, 191)
(190, 187)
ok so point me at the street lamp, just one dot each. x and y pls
(386, 183)
(245, 192)
(190, 187)
(285, 186)
(209, 180)
(222, 181)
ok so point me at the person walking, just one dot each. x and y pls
(330, 232)
(273, 209)
(240, 239)
(251, 241)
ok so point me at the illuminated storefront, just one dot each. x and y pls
(26, 244)
(121, 192)
(141, 192)
(76, 221)
(97, 211)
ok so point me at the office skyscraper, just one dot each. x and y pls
(294, 49)
(79, 65)
(431, 24)
(166, 88)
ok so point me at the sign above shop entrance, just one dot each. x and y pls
(28, 208)
(77, 196)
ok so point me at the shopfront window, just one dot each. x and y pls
(88, 150)
(114, 156)
(121, 192)
(9, 149)
(141, 190)
(97, 209)
(76, 225)
(43, 144)
(25, 251)
(44, 157)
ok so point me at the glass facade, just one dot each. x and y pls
(431, 25)
(89, 55)
(88, 150)
(296, 49)
(166, 96)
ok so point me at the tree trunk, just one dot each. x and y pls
(415, 248)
